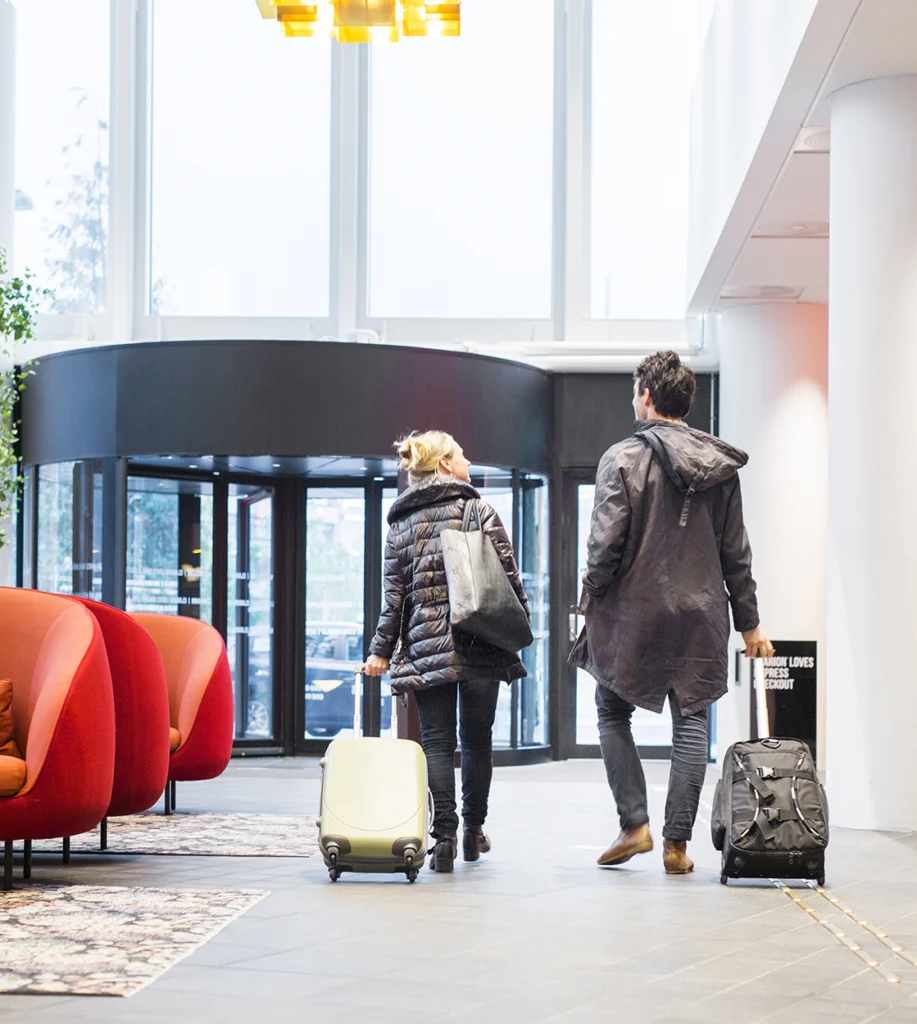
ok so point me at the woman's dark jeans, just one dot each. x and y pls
(436, 707)
(625, 772)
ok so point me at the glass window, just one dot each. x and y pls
(240, 164)
(170, 547)
(70, 528)
(62, 150)
(533, 558)
(461, 144)
(650, 730)
(335, 525)
(9, 547)
(250, 632)
(644, 62)
(496, 487)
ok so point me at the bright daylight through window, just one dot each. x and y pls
(460, 178)
(62, 150)
(458, 215)
(240, 164)
(644, 62)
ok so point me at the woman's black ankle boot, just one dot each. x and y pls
(443, 856)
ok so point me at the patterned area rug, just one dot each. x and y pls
(106, 940)
(203, 835)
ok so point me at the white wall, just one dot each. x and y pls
(774, 405)
(872, 701)
(749, 52)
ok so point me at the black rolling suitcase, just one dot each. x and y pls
(770, 812)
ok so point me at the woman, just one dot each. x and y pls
(442, 667)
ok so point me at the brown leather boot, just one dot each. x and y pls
(474, 843)
(675, 858)
(629, 843)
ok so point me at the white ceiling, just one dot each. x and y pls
(881, 41)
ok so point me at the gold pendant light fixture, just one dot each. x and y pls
(363, 21)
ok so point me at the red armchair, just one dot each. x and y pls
(51, 648)
(200, 696)
(141, 712)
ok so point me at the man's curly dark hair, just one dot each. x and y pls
(671, 384)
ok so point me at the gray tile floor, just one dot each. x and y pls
(536, 932)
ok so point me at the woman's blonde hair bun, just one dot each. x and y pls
(420, 453)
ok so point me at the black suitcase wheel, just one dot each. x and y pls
(724, 880)
(821, 881)
(412, 875)
(334, 874)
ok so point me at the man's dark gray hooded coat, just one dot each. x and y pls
(667, 554)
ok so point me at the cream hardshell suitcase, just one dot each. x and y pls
(376, 809)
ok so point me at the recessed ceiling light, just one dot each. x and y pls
(276, 465)
(193, 465)
(813, 140)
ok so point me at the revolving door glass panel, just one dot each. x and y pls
(170, 547)
(70, 528)
(250, 607)
(335, 555)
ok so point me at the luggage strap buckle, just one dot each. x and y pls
(767, 773)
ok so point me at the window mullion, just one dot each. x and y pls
(574, 182)
(124, 21)
(346, 125)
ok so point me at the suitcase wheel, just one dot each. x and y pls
(334, 874)
(724, 880)
(412, 874)
(821, 881)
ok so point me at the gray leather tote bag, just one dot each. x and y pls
(481, 598)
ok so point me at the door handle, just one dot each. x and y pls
(571, 623)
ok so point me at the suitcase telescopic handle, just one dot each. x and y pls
(358, 702)
(762, 715)
(358, 706)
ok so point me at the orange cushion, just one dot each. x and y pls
(8, 746)
(13, 773)
(174, 740)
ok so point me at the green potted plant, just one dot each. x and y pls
(18, 316)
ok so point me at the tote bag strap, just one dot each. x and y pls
(471, 509)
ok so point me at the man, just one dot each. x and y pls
(666, 547)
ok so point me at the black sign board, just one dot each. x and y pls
(792, 692)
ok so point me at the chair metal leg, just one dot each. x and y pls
(168, 799)
(7, 865)
(103, 834)
(66, 857)
(174, 787)
(27, 859)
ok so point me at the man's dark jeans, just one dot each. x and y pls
(625, 772)
(436, 707)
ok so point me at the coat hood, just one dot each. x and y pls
(435, 490)
(692, 460)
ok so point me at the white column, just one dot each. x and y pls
(774, 406)
(872, 569)
(7, 197)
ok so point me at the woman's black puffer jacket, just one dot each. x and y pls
(416, 606)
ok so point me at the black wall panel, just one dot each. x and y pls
(593, 412)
